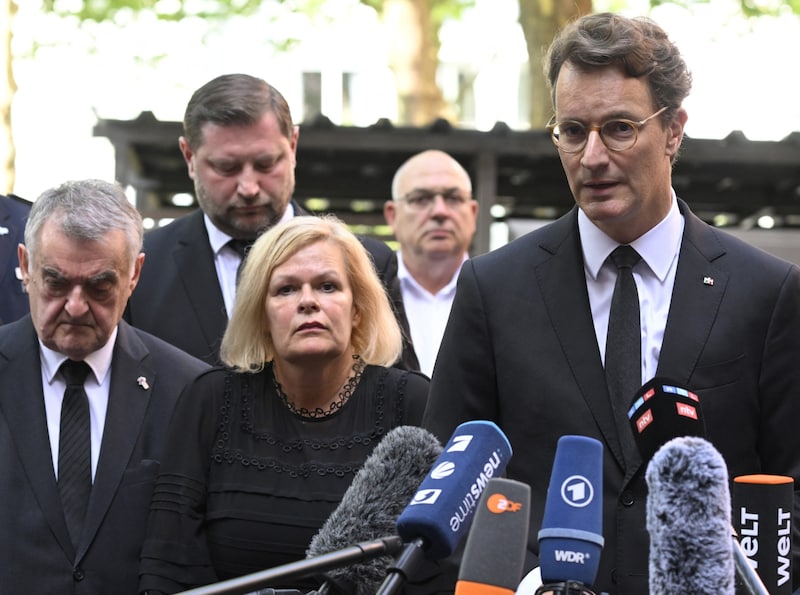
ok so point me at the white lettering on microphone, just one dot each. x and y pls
(749, 533)
(470, 501)
(784, 545)
(570, 556)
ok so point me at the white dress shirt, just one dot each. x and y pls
(96, 386)
(654, 276)
(427, 314)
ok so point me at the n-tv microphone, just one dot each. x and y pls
(571, 536)
(689, 519)
(353, 548)
(497, 540)
(371, 506)
(440, 513)
(662, 410)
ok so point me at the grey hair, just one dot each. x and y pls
(86, 210)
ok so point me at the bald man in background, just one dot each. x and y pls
(433, 217)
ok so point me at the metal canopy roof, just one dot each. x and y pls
(352, 169)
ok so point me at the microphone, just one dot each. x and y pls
(762, 514)
(662, 410)
(366, 516)
(689, 519)
(371, 505)
(571, 539)
(494, 556)
(439, 514)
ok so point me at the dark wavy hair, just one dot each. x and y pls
(638, 45)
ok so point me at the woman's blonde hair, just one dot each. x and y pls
(247, 343)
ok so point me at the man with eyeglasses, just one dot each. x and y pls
(529, 342)
(433, 218)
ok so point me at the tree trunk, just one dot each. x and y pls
(414, 57)
(540, 21)
(8, 8)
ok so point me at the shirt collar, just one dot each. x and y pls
(218, 239)
(658, 247)
(404, 275)
(99, 361)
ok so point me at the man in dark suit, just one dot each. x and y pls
(240, 145)
(13, 214)
(76, 525)
(526, 342)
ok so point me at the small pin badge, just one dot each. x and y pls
(708, 280)
(142, 381)
(3, 231)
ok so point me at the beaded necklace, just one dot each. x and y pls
(347, 390)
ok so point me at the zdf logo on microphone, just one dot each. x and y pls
(498, 504)
(577, 491)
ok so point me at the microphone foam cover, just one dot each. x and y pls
(496, 544)
(371, 505)
(442, 509)
(661, 410)
(689, 519)
(571, 536)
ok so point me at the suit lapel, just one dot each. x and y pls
(23, 408)
(562, 283)
(192, 258)
(696, 298)
(128, 399)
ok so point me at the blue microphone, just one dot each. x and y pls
(571, 537)
(440, 513)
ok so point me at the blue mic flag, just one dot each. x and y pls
(441, 511)
(571, 537)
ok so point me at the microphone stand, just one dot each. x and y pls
(406, 564)
(744, 570)
(316, 565)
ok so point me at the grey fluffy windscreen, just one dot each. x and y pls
(380, 491)
(689, 519)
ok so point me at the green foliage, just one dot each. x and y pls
(750, 8)
(174, 10)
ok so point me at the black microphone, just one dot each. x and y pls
(442, 509)
(571, 537)
(494, 556)
(372, 504)
(689, 519)
(662, 410)
(366, 516)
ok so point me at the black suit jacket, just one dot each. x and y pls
(13, 216)
(520, 349)
(36, 554)
(178, 297)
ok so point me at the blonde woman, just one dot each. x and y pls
(261, 451)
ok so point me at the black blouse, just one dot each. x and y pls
(245, 483)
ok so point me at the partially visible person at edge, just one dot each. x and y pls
(240, 145)
(525, 345)
(13, 215)
(81, 532)
(262, 450)
(433, 217)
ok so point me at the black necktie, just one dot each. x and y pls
(624, 341)
(241, 247)
(74, 448)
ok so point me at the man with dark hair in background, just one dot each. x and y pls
(240, 146)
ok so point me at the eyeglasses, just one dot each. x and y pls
(617, 135)
(423, 198)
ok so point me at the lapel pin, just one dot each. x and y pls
(3, 231)
(142, 381)
(708, 280)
